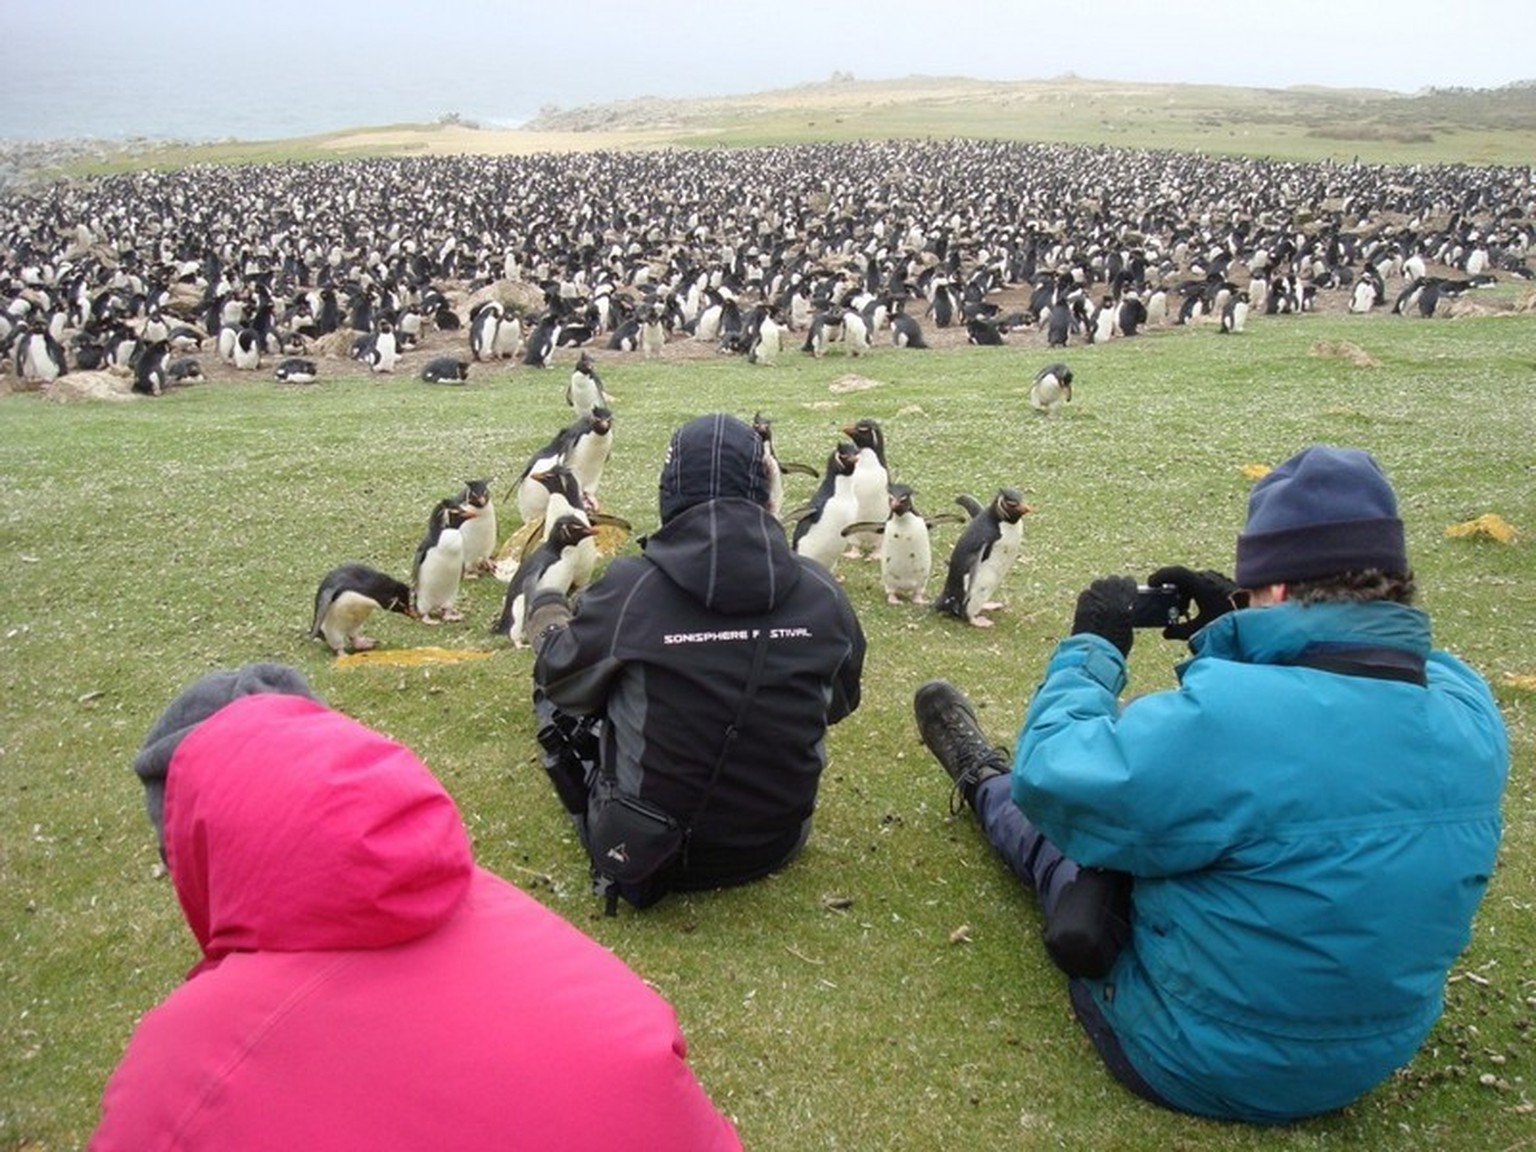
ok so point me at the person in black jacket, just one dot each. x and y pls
(698, 678)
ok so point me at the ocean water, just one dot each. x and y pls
(196, 104)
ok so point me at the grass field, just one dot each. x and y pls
(1495, 126)
(888, 991)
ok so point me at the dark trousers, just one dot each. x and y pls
(1036, 861)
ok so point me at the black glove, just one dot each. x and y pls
(1104, 608)
(547, 611)
(1209, 591)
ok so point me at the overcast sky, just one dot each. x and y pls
(153, 66)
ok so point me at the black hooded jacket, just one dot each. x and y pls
(661, 647)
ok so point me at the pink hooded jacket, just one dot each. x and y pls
(364, 985)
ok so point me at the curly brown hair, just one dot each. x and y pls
(1355, 587)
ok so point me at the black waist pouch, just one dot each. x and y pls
(633, 845)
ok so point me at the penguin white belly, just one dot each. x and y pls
(775, 478)
(987, 576)
(437, 580)
(36, 364)
(479, 539)
(509, 334)
(823, 541)
(385, 354)
(586, 462)
(583, 394)
(343, 621)
(653, 337)
(1364, 296)
(1046, 395)
(871, 497)
(906, 558)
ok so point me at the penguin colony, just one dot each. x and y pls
(443, 268)
(735, 249)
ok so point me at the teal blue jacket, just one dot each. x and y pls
(1309, 848)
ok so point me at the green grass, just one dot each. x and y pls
(150, 542)
(1482, 126)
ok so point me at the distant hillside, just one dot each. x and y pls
(1439, 126)
(1457, 124)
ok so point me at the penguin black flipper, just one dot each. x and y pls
(970, 504)
(544, 567)
(974, 545)
(876, 526)
(799, 469)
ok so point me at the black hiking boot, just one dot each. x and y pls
(948, 727)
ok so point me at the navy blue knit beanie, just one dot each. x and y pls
(1324, 512)
(709, 458)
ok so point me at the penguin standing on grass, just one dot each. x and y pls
(552, 565)
(1051, 389)
(871, 482)
(983, 556)
(39, 357)
(906, 548)
(819, 525)
(479, 532)
(773, 466)
(245, 354)
(1234, 316)
(384, 351)
(347, 596)
(439, 564)
(541, 342)
(587, 454)
(149, 378)
(906, 332)
(584, 391)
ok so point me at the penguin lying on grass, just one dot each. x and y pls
(906, 549)
(445, 370)
(297, 370)
(551, 565)
(347, 596)
(983, 556)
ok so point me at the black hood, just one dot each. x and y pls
(730, 555)
(709, 458)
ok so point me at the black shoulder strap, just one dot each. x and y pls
(749, 693)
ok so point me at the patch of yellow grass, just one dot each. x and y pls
(410, 657)
(1488, 526)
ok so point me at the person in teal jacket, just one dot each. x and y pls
(1259, 880)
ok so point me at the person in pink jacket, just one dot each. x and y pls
(363, 985)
